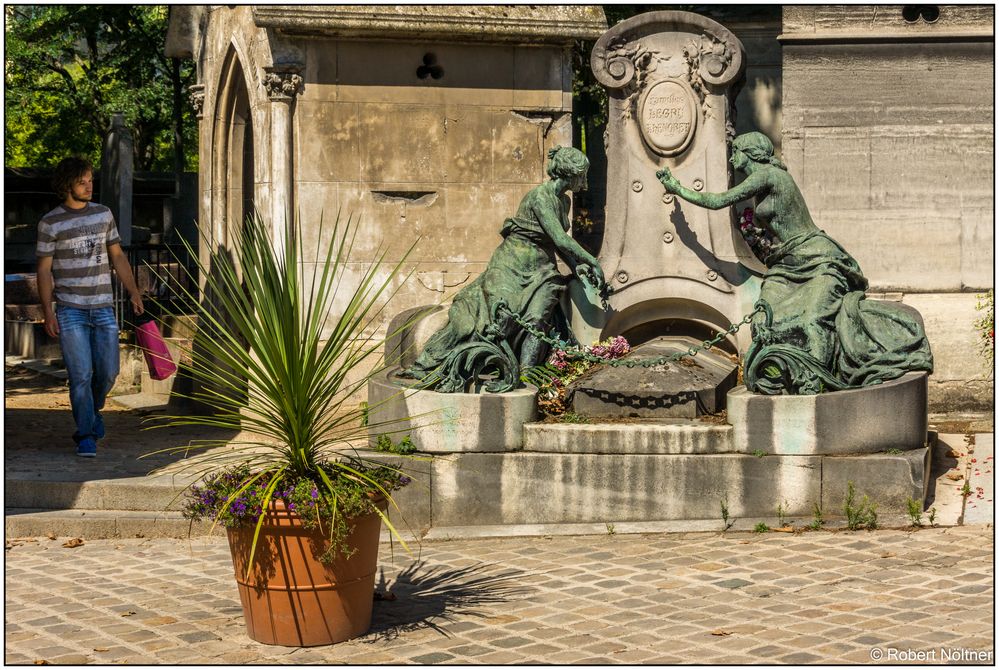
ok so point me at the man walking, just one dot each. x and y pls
(77, 245)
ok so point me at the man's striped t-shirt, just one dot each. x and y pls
(78, 241)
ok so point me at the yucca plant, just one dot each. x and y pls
(277, 357)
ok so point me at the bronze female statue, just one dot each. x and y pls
(522, 279)
(816, 331)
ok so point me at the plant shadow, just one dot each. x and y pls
(435, 596)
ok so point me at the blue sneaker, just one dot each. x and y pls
(86, 448)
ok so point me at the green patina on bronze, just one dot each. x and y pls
(816, 332)
(480, 340)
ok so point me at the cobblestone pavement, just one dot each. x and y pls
(816, 597)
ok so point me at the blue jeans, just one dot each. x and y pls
(89, 342)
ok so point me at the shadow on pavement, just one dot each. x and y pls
(435, 596)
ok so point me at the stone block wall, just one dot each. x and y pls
(888, 130)
(438, 164)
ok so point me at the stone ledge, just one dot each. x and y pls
(534, 24)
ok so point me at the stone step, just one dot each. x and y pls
(113, 524)
(521, 488)
(667, 436)
(99, 524)
(148, 494)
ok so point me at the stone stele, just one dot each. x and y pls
(671, 79)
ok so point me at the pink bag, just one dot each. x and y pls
(155, 350)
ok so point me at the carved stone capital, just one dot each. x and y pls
(282, 84)
(197, 99)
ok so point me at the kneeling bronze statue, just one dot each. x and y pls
(522, 279)
(816, 332)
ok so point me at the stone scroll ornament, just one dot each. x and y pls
(665, 90)
(481, 346)
(817, 332)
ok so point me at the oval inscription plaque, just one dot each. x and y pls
(669, 117)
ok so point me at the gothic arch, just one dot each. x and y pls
(233, 141)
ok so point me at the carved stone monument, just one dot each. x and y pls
(671, 79)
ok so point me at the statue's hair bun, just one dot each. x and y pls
(553, 151)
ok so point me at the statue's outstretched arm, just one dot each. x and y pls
(569, 249)
(752, 186)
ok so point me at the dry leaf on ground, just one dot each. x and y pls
(887, 554)
(75, 542)
(102, 649)
(128, 613)
(955, 476)
(51, 536)
(719, 632)
(41, 661)
(953, 453)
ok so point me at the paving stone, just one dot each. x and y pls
(613, 609)
(429, 659)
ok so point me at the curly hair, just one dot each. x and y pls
(566, 162)
(67, 173)
(759, 148)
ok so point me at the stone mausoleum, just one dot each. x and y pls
(429, 123)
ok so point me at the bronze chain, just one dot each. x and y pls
(578, 354)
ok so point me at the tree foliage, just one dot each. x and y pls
(69, 67)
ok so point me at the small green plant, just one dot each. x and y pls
(724, 513)
(862, 515)
(966, 489)
(761, 528)
(933, 516)
(759, 453)
(610, 528)
(363, 409)
(985, 325)
(817, 520)
(404, 447)
(893, 451)
(572, 417)
(782, 514)
(915, 510)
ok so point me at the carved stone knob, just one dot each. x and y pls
(667, 237)
(668, 198)
(698, 184)
(622, 277)
(712, 275)
(637, 186)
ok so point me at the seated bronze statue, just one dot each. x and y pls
(481, 345)
(816, 331)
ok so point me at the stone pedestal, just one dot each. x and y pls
(443, 423)
(885, 417)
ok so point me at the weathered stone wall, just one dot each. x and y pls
(438, 163)
(888, 130)
(325, 107)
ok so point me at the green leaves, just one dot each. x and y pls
(279, 351)
(69, 67)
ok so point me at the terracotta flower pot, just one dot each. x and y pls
(292, 599)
